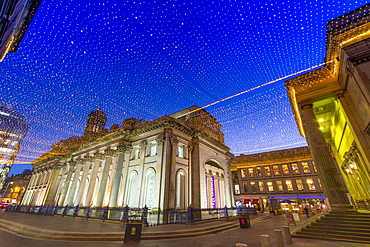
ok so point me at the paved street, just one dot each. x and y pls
(250, 236)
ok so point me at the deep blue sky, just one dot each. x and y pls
(147, 59)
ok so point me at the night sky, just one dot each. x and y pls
(147, 59)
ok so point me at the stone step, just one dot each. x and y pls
(364, 225)
(343, 232)
(333, 237)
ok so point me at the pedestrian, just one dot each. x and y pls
(306, 211)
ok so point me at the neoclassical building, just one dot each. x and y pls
(170, 163)
(332, 110)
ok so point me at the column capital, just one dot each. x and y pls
(89, 158)
(124, 148)
(109, 152)
(143, 144)
(72, 163)
(98, 156)
(174, 141)
(160, 141)
(306, 104)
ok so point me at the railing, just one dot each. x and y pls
(144, 215)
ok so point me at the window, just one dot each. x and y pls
(153, 149)
(295, 168)
(259, 171)
(289, 185)
(267, 171)
(300, 185)
(243, 172)
(311, 185)
(318, 180)
(237, 191)
(245, 187)
(250, 172)
(180, 190)
(314, 166)
(270, 187)
(136, 153)
(253, 185)
(285, 169)
(305, 167)
(262, 186)
(181, 150)
(276, 170)
(279, 186)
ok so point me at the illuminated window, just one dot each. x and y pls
(279, 186)
(153, 148)
(245, 187)
(243, 172)
(295, 168)
(305, 167)
(314, 166)
(253, 186)
(237, 191)
(259, 171)
(270, 187)
(250, 172)
(311, 185)
(289, 185)
(267, 171)
(181, 151)
(262, 186)
(136, 153)
(285, 169)
(276, 170)
(300, 185)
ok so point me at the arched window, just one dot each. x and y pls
(133, 190)
(180, 190)
(149, 188)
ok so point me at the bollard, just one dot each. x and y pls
(286, 235)
(279, 238)
(265, 239)
(241, 245)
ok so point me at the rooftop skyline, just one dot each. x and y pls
(150, 59)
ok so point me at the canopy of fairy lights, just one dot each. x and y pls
(147, 59)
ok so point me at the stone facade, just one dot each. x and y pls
(266, 180)
(332, 110)
(167, 163)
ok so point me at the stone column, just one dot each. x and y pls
(125, 172)
(104, 178)
(189, 188)
(72, 190)
(85, 172)
(53, 182)
(171, 175)
(29, 190)
(327, 169)
(95, 169)
(117, 175)
(143, 150)
(66, 183)
(196, 173)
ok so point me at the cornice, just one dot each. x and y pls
(270, 158)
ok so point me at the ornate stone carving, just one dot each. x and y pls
(98, 156)
(174, 141)
(109, 152)
(72, 163)
(160, 141)
(144, 144)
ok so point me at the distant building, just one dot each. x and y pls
(172, 162)
(15, 17)
(332, 110)
(15, 187)
(13, 128)
(285, 179)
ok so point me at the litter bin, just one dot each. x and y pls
(133, 232)
(244, 221)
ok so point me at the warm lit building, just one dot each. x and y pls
(172, 162)
(332, 110)
(15, 186)
(13, 128)
(284, 179)
(15, 17)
